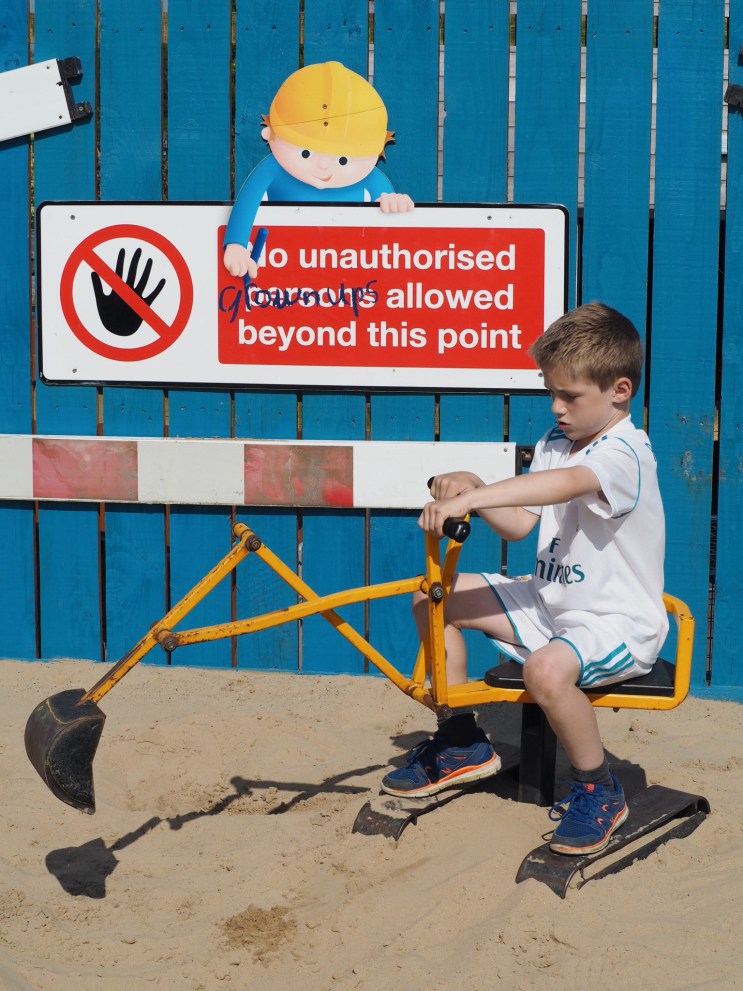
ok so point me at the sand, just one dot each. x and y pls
(221, 854)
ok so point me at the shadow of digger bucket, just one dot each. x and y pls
(63, 731)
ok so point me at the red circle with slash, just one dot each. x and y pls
(85, 253)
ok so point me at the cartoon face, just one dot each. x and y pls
(319, 169)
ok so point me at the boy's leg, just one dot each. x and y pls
(550, 676)
(459, 751)
(471, 605)
(596, 805)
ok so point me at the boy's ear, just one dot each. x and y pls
(266, 133)
(623, 390)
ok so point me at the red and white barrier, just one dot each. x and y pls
(239, 472)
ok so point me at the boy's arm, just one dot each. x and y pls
(509, 522)
(538, 488)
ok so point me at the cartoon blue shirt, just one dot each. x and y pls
(268, 182)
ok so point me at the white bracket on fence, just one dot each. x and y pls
(240, 472)
(38, 97)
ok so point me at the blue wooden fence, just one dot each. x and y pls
(178, 94)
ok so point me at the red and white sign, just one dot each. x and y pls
(445, 297)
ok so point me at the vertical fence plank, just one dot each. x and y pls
(337, 31)
(407, 35)
(684, 304)
(199, 84)
(266, 415)
(17, 599)
(476, 53)
(619, 78)
(727, 668)
(198, 168)
(545, 166)
(548, 41)
(64, 169)
(475, 418)
(476, 57)
(396, 547)
(131, 169)
(333, 543)
(404, 35)
(267, 51)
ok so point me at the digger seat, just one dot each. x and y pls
(665, 687)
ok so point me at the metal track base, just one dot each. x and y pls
(387, 815)
(658, 813)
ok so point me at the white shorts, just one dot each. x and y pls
(603, 656)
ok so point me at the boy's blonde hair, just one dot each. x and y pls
(593, 342)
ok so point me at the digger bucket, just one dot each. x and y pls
(63, 731)
(62, 735)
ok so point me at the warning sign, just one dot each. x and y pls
(444, 297)
(120, 310)
(468, 298)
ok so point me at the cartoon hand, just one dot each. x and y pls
(116, 315)
(395, 203)
(238, 262)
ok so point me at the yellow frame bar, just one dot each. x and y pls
(428, 684)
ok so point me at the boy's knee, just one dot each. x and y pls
(544, 678)
(535, 674)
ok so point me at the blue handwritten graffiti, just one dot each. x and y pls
(233, 299)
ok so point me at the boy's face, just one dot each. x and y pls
(318, 169)
(583, 410)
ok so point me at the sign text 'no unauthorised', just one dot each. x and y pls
(466, 298)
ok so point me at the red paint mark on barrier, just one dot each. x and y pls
(93, 469)
(294, 475)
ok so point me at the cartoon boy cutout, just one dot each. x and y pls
(327, 129)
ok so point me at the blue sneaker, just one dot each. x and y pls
(434, 765)
(592, 814)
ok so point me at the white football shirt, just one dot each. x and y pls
(603, 553)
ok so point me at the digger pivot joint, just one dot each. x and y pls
(168, 641)
(436, 592)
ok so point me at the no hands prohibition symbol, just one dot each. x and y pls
(166, 333)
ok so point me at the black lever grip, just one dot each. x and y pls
(456, 529)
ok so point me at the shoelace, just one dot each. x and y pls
(419, 750)
(579, 803)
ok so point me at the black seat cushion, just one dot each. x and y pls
(660, 681)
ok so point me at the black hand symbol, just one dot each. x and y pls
(116, 315)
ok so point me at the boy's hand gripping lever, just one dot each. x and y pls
(454, 528)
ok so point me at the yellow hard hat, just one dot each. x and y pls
(326, 108)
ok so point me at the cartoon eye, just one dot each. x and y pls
(306, 154)
(343, 160)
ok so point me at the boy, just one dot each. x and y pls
(327, 129)
(592, 613)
